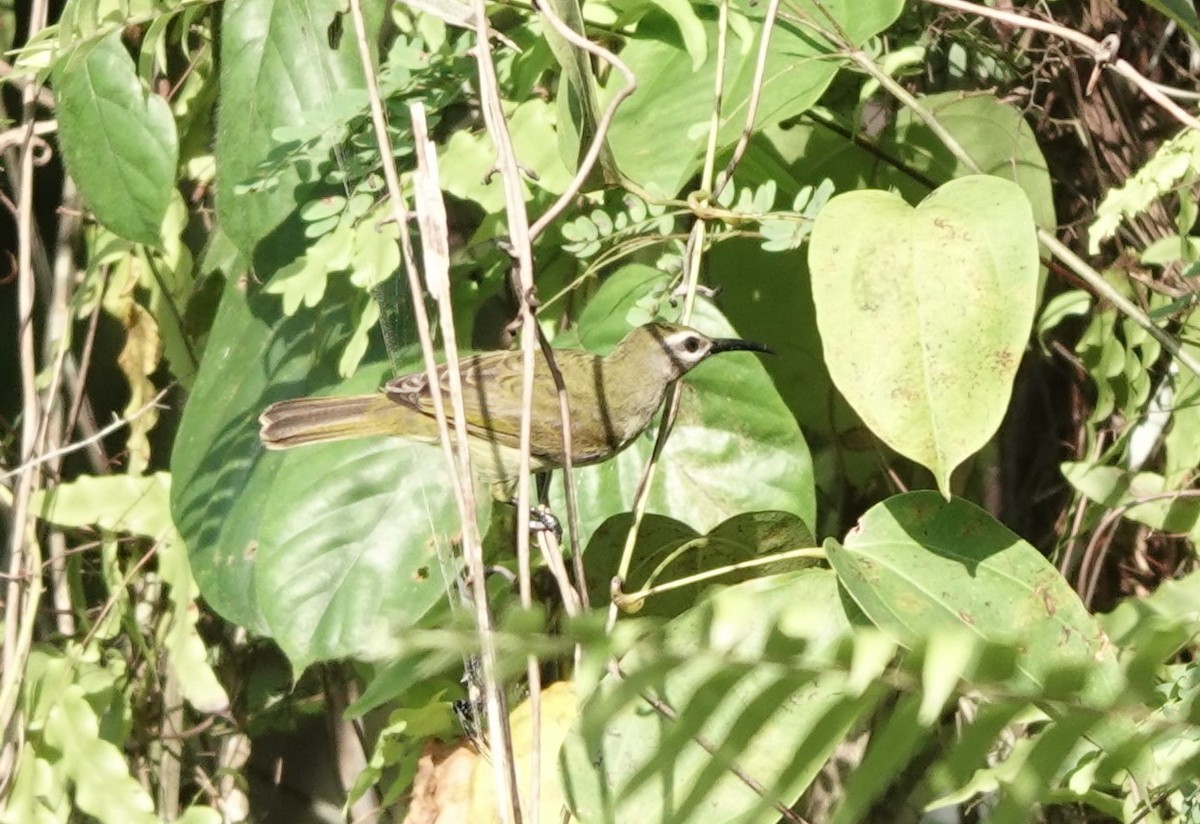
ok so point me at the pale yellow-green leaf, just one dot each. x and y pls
(356, 347)
(118, 503)
(376, 252)
(1159, 176)
(104, 789)
(139, 505)
(138, 360)
(186, 654)
(467, 163)
(950, 652)
(303, 280)
(38, 793)
(924, 313)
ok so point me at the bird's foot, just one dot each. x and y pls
(541, 519)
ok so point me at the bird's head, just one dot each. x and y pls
(668, 350)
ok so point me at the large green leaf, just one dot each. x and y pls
(924, 313)
(118, 140)
(735, 447)
(626, 762)
(359, 519)
(658, 133)
(992, 132)
(919, 565)
(277, 70)
(349, 556)
(667, 550)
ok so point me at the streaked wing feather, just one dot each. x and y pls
(491, 395)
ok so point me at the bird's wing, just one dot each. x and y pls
(491, 395)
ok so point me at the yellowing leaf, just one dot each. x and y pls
(924, 312)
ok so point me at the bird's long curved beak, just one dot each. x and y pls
(738, 345)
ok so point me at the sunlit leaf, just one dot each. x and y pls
(118, 139)
(956, 280)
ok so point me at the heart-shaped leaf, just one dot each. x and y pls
(924, 312)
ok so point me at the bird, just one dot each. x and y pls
(613, 398)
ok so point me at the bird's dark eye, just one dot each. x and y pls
(691, 344)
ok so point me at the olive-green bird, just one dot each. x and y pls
(613, 398)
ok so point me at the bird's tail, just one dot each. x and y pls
(314, 420)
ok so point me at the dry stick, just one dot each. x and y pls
(1099, 52)
(522, 252)
(56, 347)
(460, 467)
(1056, 247)
(79, 381)
(75, 446)
(593, 152)
(435, 251)
(20, 610)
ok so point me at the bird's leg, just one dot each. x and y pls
(540, 517)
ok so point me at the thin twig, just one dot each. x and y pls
(564, 200)
(570, 596)
(756, 87)
(522, 252)
(55, 348)
(100, 434)
(79, 380)
(1097, 50)
(23, 596)
(695, 249)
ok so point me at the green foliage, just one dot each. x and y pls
(656, 136)
(1170, 170)
(121, 146)
(803, 638)
(732, 681)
